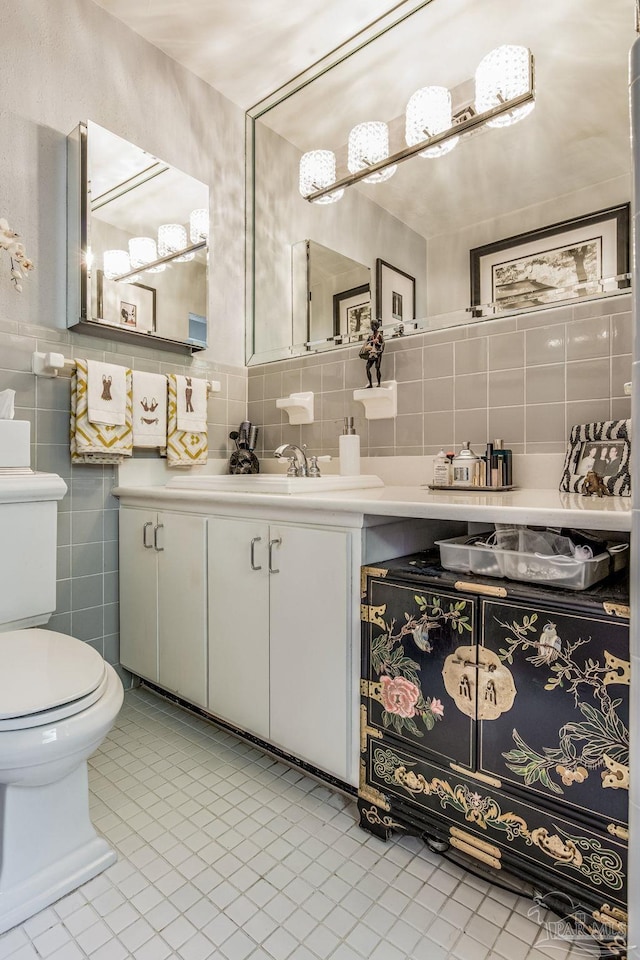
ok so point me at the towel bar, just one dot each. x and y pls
(50, 364)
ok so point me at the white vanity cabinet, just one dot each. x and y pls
(281, 636)
(163, 599)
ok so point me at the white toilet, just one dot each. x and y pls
(58, 700)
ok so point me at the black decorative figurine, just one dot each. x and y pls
(372, 350)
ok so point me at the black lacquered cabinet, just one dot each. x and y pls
(494, 718)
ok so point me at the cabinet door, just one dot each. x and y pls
(182, 605)
(566, 735)
(239, 623)
(419, 667)
(138, 593)
(310, 646)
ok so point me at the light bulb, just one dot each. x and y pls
(115, 263)
(503, 74)
(172, 237)
(369, 144)
(143, 250)
(317, 171)
(199, 225)
(428, 113)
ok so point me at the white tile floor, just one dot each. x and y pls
(224, 852)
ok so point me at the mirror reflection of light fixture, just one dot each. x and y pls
(115, 263)
(172, 237)
(503, 74)
(199, 225)
(504, 94)
(317, 171)
(143, 250)
(429, 112)
(369, 144)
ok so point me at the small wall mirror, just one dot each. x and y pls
(331, 295)
(568, 159)
(138, 233)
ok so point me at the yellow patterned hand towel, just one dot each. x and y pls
(185, 448)
(97, 442)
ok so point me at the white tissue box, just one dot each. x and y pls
(15, 436)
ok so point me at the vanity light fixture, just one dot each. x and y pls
(199, 225)
(143, 250)
(504, 95)
(317, 172)
(429, 112)
(502, 75)
(369, 144)
(172, 237)
(115, 263)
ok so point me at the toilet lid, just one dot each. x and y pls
(42, 669)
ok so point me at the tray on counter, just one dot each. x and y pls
(448, 487)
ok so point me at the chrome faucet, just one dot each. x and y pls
(298, 466)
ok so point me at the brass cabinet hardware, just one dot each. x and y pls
(475, 853)
(488, 848)
(476, 775)
(617, 610)
(373, 614)
(482, 588)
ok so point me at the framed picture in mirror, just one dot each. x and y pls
(395, 294)
(598, 459)
(573, 260)
(352, 312)
(130, 305)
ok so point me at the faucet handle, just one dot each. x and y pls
(314, 469)
(293, 467)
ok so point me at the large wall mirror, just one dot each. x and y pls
(569, 159)
(138, 243)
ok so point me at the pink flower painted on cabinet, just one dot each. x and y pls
(437, 708)
(399, 695)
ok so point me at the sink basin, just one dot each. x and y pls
(272, 483)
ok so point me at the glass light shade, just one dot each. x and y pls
(317, 171)
(143, 250)
(115, 263)
(199, 225)
(172, 237)
(369, 144)
(428, 113)
(503, 74)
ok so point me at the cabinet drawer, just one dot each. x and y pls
(565, 738)
(408, 634)
(528, 839)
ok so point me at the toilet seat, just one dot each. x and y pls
(46, 677)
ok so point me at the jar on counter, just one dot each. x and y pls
(464, 466)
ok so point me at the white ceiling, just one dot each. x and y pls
(247, 48)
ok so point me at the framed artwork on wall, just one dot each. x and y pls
(572, 260)
(352, 312)
(602, 449)
(130, 305)
(395, 294)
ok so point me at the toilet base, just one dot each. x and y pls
(48, 845)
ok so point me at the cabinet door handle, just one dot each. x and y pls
(272, 544)
(145, 541)
(253, 553)
(158, 526)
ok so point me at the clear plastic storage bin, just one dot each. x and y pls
(466, 554)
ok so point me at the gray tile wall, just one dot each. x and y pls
(526, 379)
(87, 588)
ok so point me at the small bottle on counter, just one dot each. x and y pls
(464, 466)
(441, 470)
(349, 449)
(504, 462)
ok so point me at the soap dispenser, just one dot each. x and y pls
(349, 449)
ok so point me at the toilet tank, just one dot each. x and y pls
(28, 539)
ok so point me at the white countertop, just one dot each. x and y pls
(525, 506)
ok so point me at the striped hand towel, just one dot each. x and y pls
(97, 442)
(185, 448)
